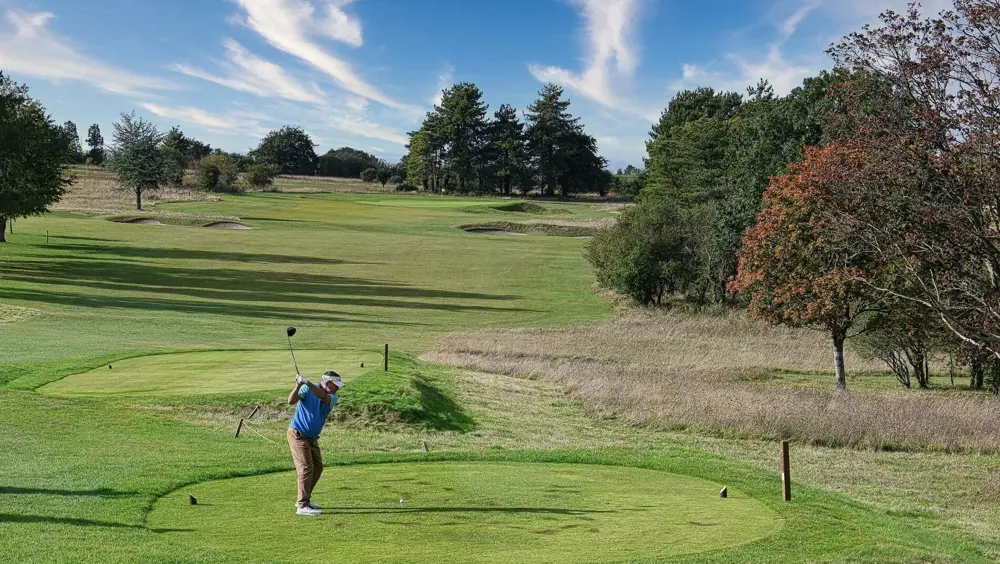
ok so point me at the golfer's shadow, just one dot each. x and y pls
(407, 510)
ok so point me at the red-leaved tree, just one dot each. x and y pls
(796, 266)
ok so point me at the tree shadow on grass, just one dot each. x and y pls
(199, 307)
(406, 510)
(172, 253)
(42, 519)
(440, 411)
(230, 285)
(100, 492)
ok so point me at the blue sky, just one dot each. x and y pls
(363, 72)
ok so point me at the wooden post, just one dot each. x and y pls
(786, 477)
(238, 427)
(47, 242)
(254, 412)
(386, 357)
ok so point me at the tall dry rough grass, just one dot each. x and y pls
(722, 374)
(96, 191)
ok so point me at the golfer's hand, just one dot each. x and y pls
(300, 380)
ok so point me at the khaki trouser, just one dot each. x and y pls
(308, 463)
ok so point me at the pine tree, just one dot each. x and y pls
(96, 143)
(463, 125)
(71, 143)
(564, 156)
(507, 152)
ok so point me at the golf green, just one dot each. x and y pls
(207, 372)
(465, 512)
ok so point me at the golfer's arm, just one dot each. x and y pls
(293, 398)
(320, 393)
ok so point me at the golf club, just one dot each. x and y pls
(291, 331)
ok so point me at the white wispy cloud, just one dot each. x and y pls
(247, 72)
(28, 47)
(445, 80)
(340, 25)
(352, 122)
(608, 141)
(292, 26)
(773, 66)
(611, 53)
(230, 122)
(866, 11)
(791, 23)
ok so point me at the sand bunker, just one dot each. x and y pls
(144, 221)
(493, 232)
(227, 225)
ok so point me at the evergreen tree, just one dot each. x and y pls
(549, 126)
(507, 152)
(564, 156)
(135, 156)
(71, 143)
(463, 124)
(190, 150)
(96, 143)
(424, 164)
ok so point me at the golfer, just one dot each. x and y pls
(313, 406)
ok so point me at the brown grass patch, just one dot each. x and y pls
(293, 184)
(703, 372)
(613, 207)
(14, 314)
(95, 190)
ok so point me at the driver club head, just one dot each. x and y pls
(290, 331)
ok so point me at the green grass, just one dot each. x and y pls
(211, 372)
(470, 512)
(405, 394)
(97, 461)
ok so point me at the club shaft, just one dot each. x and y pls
(291, 350)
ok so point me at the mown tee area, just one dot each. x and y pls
(128, 352)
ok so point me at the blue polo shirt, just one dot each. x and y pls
(311, 413)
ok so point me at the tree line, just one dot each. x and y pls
(863, 204)
(459, 149)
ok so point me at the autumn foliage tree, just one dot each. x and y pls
(797, 267)
(935, 216)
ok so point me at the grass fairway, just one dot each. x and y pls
(468, 512)
(96, 463)
(211, 372)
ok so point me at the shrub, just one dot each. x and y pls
(369, 175)
(395, 180)
(629, 184)
(644, 256)
(207, 177)
(217, 173)
(405, 187)
(260, 176)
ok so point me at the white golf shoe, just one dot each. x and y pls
(310, 504)
(308, 511)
